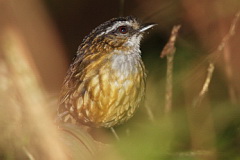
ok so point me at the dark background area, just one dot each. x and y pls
(76, 19)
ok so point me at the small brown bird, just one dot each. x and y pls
(106, 81)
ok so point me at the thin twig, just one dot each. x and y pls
(29, 155)
(228, 67)
(115, 133)
(169, 51)
(149, 112)
(208, 79)
(231, 32)
(211, 65)
(206, 84)
(169, 48)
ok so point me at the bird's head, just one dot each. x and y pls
(121, 33)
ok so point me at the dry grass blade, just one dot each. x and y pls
(169, 51)
(32, 102)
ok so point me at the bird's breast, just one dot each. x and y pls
(111, 92)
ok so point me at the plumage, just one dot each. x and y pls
(106, 81)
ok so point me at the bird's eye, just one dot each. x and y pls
(123, 29)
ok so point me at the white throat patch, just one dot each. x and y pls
(125, 64)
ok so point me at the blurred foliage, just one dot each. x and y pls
(170, 137)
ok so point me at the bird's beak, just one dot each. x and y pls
(146, 26)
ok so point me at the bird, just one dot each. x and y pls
(106, 81)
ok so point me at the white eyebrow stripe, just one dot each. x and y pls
(116, 25)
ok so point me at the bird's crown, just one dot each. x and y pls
(117, 26)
